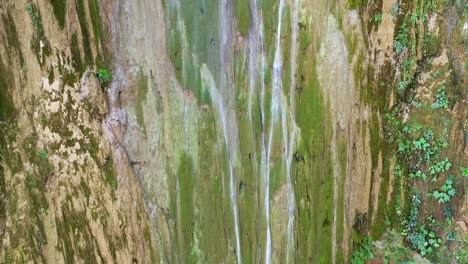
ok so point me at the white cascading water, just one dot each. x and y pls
(257, 64)
(256, 56)
(218, 102)
(289, 154)
(225, 36)
(276, 99)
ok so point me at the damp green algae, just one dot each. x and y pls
(270, 22)
(248, 176)
(357, 4)
(77, 63)
(314, 223)
(141, 93)
(7, 108)
(76, 239)
(9, 160)
(60, 11)
(211, 200)
(340, 207)
(186, 179)
(193, 40)
(93, 6)
(51, 75)
(39, 43)
(242, 16)
(12, 36)
(85, 35)
(286, 31)
(35, 182)
(84, 187)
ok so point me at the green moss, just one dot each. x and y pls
(7, 108)
(374, 12)
(431, 45)
(35, 182)
(88, 53)
(313, 176)
(270, 21)
(8, 160)
(51, 76)
(60, 8)
(182, 207)
(243, 16)
(38, 36)
(193, 33)
(96, 21)
(211, 201)
(186, 178)
(85, 189)
(357, 4)
(76, 55)
(12, 36)
(76, 239)
(69, 77)
(142, 91)
(108, 167)
(340, 211)
(384, 212)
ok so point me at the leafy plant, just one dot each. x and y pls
(446, 192)
(394, 10)
(413, 214)
(104, 76)
(441, 100)
(440, 166)
(401, 40)
(363, 253)
(378, 18)
(464, 171)
(42, 154)
(424, 240)
(448, 212)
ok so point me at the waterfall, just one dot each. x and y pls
(275, 101)
(289, 154)
(218, 102)
(228, 118)
(257, 64)
(256, 51)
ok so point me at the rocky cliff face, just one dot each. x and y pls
(247, 131)
(68, 192)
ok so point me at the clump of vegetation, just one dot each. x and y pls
(446, 192)
(104, 76)
(363, 253)
(402, 40)
(424, 240)
(464, 171)
(441, 100)
(420, 136)
(42, 154)
(417, 235)
(378, 18)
